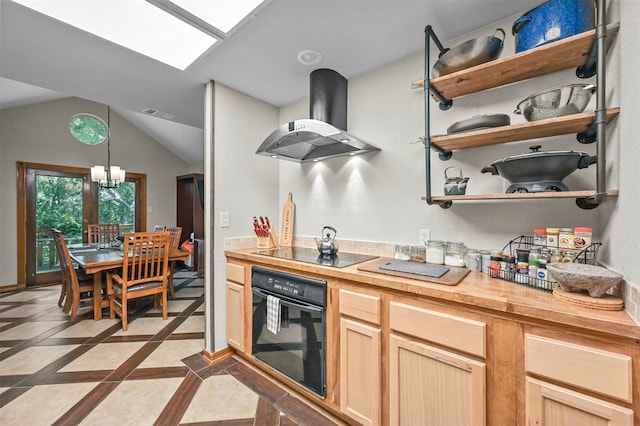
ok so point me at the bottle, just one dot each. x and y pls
(494, 263)
(540, 237)
(552, 237)
(533, 271)
(569, 257)
(565, 238)
(582, 237)
(435, 252)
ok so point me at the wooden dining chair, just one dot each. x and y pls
(175, 233)
(145, 272)
(103, 233)
(77, 287)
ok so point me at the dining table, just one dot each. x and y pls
(94, 260)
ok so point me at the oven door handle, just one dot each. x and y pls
(288, 302)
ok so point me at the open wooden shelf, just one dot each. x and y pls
(574, 123)
(520, 196)
(559, 55)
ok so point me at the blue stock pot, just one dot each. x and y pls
(551, 21)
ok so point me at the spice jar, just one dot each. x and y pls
(556, 256)
(569, 257)
(540, 237)
(552, 237)
(435, 252)
(454, 254)
(582, 237)
(565, 238)
(494, 263)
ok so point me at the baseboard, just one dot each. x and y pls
(219, 355)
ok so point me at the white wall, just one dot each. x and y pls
(246, 184)
(39, 133)
(377, 197)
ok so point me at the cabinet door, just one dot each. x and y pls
(235, 316)
(430, 386)
(360, 371)
(547, 404)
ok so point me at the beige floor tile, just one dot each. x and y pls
(27, 310)
(174, 306)
(28, 330)
(145, 326)
(221, 398)
(171, 352)
(191, 325)
(190, 292)
(105, 356)
(22, 296)
(87, 328)
(51, 401)
(32, 359)
(200, 308)
(135, 402)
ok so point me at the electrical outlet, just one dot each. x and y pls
(224, 220)
(424, 235)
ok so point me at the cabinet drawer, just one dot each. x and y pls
(361, 306)
(235, 273)
(601, 371)
(454, 332)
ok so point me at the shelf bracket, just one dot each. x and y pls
(589, 203)
(445, 103)
(590, 67)
(589, 135)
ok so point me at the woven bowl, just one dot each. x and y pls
(579, 276)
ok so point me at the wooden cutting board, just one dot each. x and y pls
(288, 215)
(604, 303)
(453, 277)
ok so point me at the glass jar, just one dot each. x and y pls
(552, 237)
(435, 252)
(565, 238)
(556, 256)
(473, 260)
(540, 237)
(402, 252)
(569, 256)
(454, 254)
(582, 237)
(485, 259)
(418, 253)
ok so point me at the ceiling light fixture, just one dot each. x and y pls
(309, 57)
(92, 130)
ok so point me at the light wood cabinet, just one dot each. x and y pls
(360, 357)
(551, 405)
(360, 393)
(576, 369)
(431, 386)
(235, 316)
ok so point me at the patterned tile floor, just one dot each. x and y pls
(91, 373)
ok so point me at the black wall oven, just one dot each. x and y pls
(289, 326)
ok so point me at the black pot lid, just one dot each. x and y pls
(536, 153)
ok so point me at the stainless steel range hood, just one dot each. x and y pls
(324, 134)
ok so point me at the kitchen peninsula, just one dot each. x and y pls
(485, 351)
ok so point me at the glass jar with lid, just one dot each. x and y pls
(556, 256)
(540, 237)
(454, 254)
(473, 260)
(435, 252)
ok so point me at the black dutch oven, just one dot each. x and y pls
(539, 171)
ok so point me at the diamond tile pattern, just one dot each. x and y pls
(91, 373)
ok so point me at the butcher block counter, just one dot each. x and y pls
(485, 351)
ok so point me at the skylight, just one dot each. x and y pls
(144, 28)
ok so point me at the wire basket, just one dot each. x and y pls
(586, 255)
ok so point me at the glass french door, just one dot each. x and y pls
(64, 198)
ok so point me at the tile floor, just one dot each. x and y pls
(91, 373)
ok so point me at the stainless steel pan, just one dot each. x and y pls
(469, 54)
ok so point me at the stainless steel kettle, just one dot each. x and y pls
(327, 245)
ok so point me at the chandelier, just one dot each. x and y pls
(92, 130)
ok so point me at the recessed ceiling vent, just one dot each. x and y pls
(159, 114)
(322, 136)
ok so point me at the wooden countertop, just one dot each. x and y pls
(476, 290)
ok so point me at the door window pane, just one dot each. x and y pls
(118, 205)
(59, 204)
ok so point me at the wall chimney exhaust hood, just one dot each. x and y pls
(324, 134)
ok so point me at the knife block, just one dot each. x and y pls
(267, 242)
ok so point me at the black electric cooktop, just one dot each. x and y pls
(307, 255)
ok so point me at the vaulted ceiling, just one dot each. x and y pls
(41, 58)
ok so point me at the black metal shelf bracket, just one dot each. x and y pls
(445, 103)
(588, 136)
